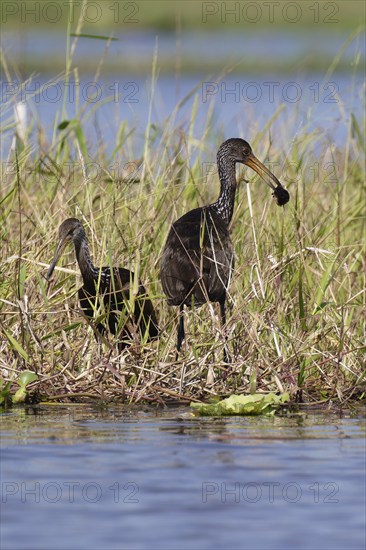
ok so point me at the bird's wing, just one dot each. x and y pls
(129, 295)
(196, 259)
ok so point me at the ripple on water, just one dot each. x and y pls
(159, 479)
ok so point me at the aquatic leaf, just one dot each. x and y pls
(255, 404)
(20, 395)
(25, 378)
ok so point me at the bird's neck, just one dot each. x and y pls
(224, 205)
(88, 271)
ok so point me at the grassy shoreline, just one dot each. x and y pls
(296, 302)
(140, 67)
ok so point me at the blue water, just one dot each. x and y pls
(75, 477)
(234, 104)
(225, 45)
(238, 105)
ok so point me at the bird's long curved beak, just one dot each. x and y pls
(262, 170)
(280, 194)
(61, 245)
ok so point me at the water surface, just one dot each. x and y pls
(80, 477)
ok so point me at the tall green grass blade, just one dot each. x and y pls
(94, 36)
(16, 346)
(324, 283)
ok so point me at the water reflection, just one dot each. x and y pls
(88, 423)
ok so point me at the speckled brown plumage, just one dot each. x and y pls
(112, 287)
(198, 256)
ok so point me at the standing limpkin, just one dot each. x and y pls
(114, 287)
(198, 256)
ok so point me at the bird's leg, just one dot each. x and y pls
(181, 333)
(99, 332)
(101, 329)
(226, 355)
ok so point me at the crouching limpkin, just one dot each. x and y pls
(198, 256)
(127, 316)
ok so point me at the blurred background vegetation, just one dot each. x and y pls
(309, 32)
(186, 14)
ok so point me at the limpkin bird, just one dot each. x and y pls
(114, 287)
(198, 257)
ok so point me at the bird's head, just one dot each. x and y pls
(239, 150)
(68, 231)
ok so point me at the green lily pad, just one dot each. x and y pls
(25, 378)
(255, 404)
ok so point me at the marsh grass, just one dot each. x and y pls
(163, 15)
(296, 303)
